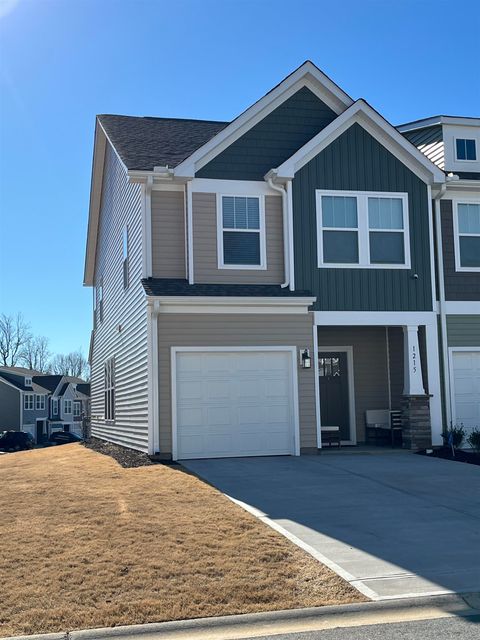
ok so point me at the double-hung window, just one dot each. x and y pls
(465, 149)
(54, 406)
(241, 232)
(467, 235)
(109, 389)
(28, 401)
(39, 402)
(362, 230)
(76, 409)
(67, 406)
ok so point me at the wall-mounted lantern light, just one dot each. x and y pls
(305, 359)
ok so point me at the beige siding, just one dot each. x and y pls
(179, 330)
(205, 244)
(123, 332)
(168, 234)
(369, 365)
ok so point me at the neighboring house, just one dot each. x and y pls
(453, 143)
(23, 401)
(255, 280)
(40, 403)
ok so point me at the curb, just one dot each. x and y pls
(459, 604)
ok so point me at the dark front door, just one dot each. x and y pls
(40, 434)
(334, 395)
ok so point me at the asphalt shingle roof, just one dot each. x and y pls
(176, 287)
(146, 142)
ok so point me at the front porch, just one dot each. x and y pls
(369, 367)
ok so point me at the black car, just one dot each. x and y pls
(64, 437)
(16, 441)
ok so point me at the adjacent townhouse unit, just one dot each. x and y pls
(40, 403)
(259, 281)
(453, 144)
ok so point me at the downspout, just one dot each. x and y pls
(441, 299)
(286, 259)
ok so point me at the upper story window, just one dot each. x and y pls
(39, 402)
(76, 409)
(109, 389)
(67, 406)
(28, 382)
(54, 406)
(362, 230)
(28, 400)
(467, 236)
(465, 149)
(125, 257)
(241, 233)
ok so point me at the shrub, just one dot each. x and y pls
(457, 435)
(474, 439)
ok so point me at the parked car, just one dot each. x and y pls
(64, 437)
(16, 441)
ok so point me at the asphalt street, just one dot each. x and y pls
(454, 628)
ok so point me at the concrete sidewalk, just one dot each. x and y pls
(396, 525)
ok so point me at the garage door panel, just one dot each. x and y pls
(248, 410)
(466, 387)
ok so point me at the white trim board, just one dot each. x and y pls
(374, 318)
(351, 389)
(467, 308)
(230, 304)
(173, 367)
(457, 234)
(362, 113)
(307, 75)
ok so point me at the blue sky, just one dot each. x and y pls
(63, 61)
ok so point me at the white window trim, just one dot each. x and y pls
(125, 257)
(457, 159)
(67, 400)
(28, 381)
(31, 397)
(54, 406)
(456, 234)
(77, 409)
(362, 229)
(39, 402)
(263, 245)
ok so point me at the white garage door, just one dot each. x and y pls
(466, 387)
(234, 403)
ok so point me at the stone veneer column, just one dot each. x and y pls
(417, 428)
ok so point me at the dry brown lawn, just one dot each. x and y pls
(87, 543)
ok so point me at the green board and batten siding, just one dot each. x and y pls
(356, 161)
(271, 141)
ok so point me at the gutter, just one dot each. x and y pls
(441, 297)
(285, 218)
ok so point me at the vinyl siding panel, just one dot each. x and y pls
(463, 331)
(271, 141)
(356, 161)
(233, 330)
(10, 407)
(430, 142)
(370, 368)
(124, 310)
(204, 207)
(459, 285)
(168, 234)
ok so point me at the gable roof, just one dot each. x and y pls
(143, 143)
(306, 75)
(15, 382)
(376, 125)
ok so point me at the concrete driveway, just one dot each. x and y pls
(393, 524)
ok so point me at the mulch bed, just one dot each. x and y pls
(445, 453)
(127, 458)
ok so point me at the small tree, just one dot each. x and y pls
(14, 335)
